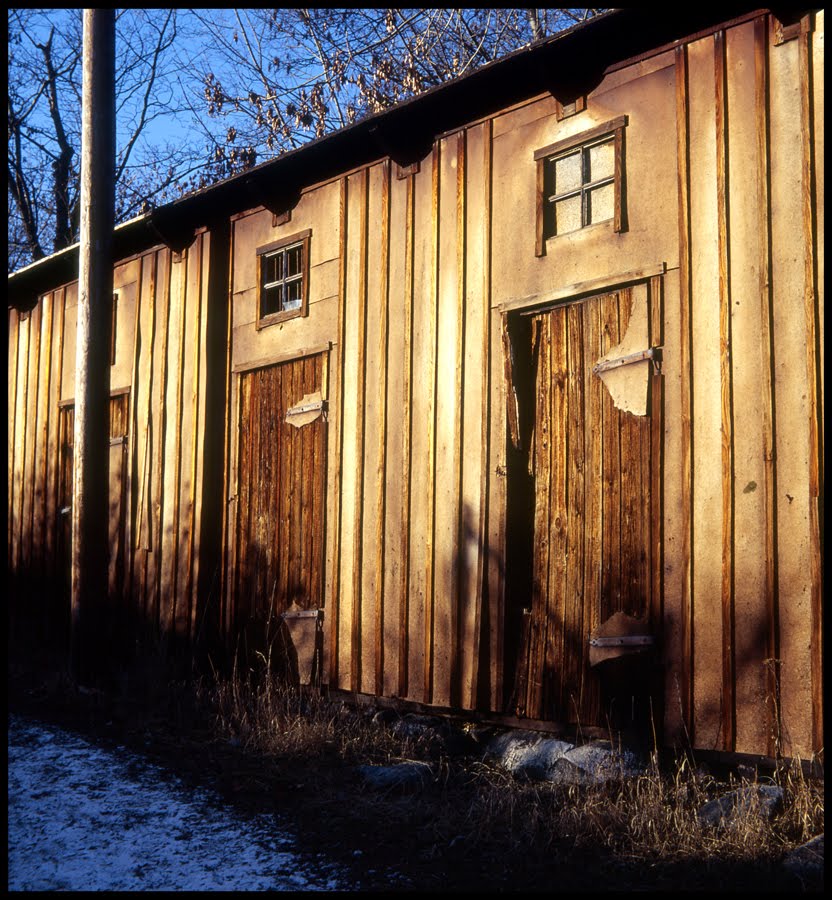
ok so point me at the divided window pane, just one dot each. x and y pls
(580, 186)
(282, 273)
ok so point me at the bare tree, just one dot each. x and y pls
(245, 86)
(276, 78)
(44, 123)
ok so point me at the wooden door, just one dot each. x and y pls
(282, 471)
(591, 468)
(119, 422)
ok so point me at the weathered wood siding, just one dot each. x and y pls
(702, 179)
(413, 277)
(157, 384)
(749, 600)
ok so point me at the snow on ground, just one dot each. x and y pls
(86, 818)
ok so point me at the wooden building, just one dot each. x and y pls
(474, 375)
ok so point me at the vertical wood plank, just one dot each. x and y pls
(575, 659)
(634, 484)
(482, 594)
(654, 535)
(349, 462)
(611, 469)
(407, 424)
(497, 684)
(160, 601)
(358, 623)
(198, 436)
(593, 494)
(445, 635)
(430, 531)
(709, 699)
(543, 517)
(244, 502)
(349, 632)
(395, 349)
(188, 439)
(30, 444)
(128, 587)
(553, 634)
(53, 514)
(334, 612)
(654, 525)
(793, 450)
(144, 448)
(458, 557)
(11, 385)
(319, 495)
(372, 456)
(44, 451)
(294, 444)
(382, 352)
(173, 463)
(726, 398)
(685, 365)
(473, 417)
(422, 431)
(189, 601)
(20, 357)
(814, 377)
(746, 242)
(230, 501)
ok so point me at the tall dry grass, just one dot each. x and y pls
(650, 819)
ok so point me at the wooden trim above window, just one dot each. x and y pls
(284, 241)
(584, 137)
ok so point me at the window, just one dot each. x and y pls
(283, 275)
(579, 182)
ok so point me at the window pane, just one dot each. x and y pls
(292, 295)
(601, 203)
(567, 173)
(270, 301)
(601, 161)
(568, 214)
(293, 260)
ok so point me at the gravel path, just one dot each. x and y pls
(85, 818)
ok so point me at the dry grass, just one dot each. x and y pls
(476, 825)
(647, 821)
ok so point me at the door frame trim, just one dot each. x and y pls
(284, 356)
(580, 290)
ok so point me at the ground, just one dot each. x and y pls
(370, 834)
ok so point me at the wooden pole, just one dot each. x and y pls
(90, 551)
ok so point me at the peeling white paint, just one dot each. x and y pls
(628, 384)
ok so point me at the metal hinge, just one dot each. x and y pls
(652, 353)
(303, 614)
(307, 407)
(629, 640)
